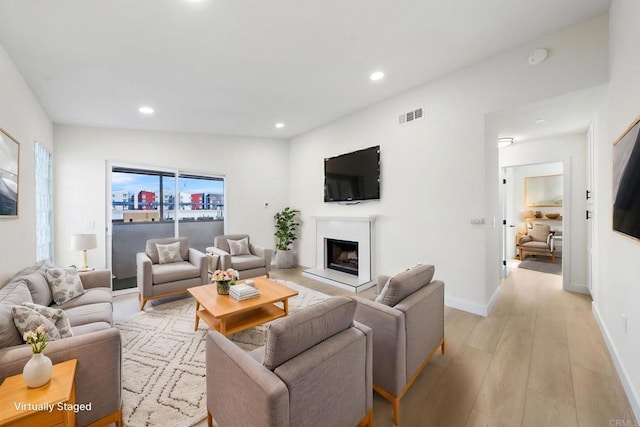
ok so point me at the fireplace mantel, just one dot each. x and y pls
(349, 228)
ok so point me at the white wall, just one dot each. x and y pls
(438, 172)
(23, 118)
(255, 169)
(617, 270)
(571, 152)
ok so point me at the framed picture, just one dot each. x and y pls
(9, 165)
(626, 181)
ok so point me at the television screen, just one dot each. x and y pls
(353, 176)
(626, 182)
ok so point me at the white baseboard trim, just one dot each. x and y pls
(471, 307)
(620, 369)
(581, 289)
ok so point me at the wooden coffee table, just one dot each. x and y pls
(228, 316)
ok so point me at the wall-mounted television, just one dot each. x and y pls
(626, 181)
(353, 177)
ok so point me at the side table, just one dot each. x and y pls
(49, 405)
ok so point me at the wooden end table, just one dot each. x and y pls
(228, 315)
(42, 406)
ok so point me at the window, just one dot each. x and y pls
(44, 247)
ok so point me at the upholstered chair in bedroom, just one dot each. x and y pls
(236, 251)
(169, 267)
(407, 318)
(314, 370)
(537, 242)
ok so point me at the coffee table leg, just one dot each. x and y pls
(223, 326)
(285, 303)
(197, 318)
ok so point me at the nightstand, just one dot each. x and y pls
(48, 405)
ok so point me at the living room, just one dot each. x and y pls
(437, 172)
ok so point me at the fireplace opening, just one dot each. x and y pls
(342, 256)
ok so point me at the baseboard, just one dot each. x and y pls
(581, 289)
(469, 307)
(620, 369)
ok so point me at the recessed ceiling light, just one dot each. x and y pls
(146, 110)
(540, 121)
(279, 125)
(503, 142)
(378, 75)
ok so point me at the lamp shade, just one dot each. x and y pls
(82, 242)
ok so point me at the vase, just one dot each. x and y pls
(37, 371)
(284, 259)
(223, 287)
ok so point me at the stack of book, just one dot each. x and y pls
(242, 292)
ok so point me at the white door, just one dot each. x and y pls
(508, 225)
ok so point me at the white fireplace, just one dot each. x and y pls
(351, 237)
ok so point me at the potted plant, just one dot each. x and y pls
(286, 233)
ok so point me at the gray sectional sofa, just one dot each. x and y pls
(95, 343)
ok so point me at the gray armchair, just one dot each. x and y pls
(407, 320)
(156, 280)
(315, 369)
(254, 262)
(538, 242)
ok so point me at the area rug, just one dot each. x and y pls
(541, 266)
(163, 360)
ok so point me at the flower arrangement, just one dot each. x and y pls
(36, 339)
(228, 275)
(224, 279)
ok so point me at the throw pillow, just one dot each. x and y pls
(65, 284)
(27, 319)
(39, 288)
(169, 253)
(383, 293)
(56, 315)
(239, 247)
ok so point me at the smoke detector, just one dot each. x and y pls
(538, 56)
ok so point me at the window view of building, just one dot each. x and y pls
(147, 204)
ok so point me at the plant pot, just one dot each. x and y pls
(37, 370)
(284, 259)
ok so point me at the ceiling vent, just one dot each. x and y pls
(410, 116)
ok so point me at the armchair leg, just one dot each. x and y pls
(442, 346)
(209, 419)
(143, 301)
(367, 421)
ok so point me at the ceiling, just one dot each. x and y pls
(569, 114)
(237, 67)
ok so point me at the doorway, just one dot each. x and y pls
(534, 202)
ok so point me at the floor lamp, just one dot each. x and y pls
(83, 242)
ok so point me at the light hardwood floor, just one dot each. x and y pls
(537, 360)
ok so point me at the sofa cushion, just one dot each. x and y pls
(289, 336)
(13, 293)
(152, 250)
(90, 296)
(246, 262)
(169, 253)
(164, 273)
(27, 319)
(404, 284)
(536, 246)
(40, 267)
(65, 284)
(90, 327)
(239, 247)
(39, 288)
(85, 314)
(56, 315)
